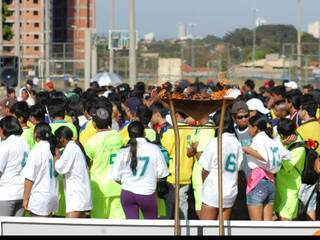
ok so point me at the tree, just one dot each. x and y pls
(7, 32)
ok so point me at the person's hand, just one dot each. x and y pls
(246, 150)
(192, 149)
(25, 203)
(292, 138)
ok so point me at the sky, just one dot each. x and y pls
(215, 17)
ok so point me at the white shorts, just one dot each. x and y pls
(211, 198)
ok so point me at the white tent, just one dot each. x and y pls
(107, 79)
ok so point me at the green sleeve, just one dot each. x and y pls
(296, 161)
(89, 151)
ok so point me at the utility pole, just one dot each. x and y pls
(17, 33)
(132, 44)
(255, 10)
(191, 25)
(47, 42)
(1, 30)
(112, 27)
(299, 63)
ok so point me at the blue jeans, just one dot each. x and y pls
(183, 201)
(263, 193)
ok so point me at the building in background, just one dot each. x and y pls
(31, 31)
(314, 29)
(148, 38)
(260, 22)
(182, 31)
(68, 20)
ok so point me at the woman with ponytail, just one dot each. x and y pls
(41, 183)
(265, 156)
(137, 168)
(72, 164)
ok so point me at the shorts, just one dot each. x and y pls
(262, 194)
(304, 196)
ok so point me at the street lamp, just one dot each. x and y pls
(18, 43)
(112, 27)
(192, 25)
(132, 43)
(254, 10)
(299, 40)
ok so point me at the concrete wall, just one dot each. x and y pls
(55, 226)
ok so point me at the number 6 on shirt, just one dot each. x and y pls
(231, 163)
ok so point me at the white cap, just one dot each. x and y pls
(291, 85)
(257, 104)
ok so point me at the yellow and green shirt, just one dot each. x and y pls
(186, 163)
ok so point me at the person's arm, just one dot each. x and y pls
(192, 150)
(26, 194)
(204, 175)
(250, 151)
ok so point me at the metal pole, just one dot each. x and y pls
(299, 41)
(64, 57)
(94, 56)
(221, 222)
(47, 22)
(132, 44)
(254, 38)
(1, 30)
(177, 229)
(192, 55)
(112, 27)
(87, 48)
(17, 22)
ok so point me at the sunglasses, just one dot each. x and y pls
(243, 116)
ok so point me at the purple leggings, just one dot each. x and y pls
(131, 203)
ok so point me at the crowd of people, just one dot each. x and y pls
(109, 153)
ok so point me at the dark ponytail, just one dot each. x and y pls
(42, 131)
(136, 130)
(262, 124)
(66, 133)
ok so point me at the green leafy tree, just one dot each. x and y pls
(7, 32)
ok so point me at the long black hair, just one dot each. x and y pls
(66, 133)
(262, 124)
(136, 130)
(43, 132)
(10, 126)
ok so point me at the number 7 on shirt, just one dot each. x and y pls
(145, 165)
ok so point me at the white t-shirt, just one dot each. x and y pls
(39, 169)
(151, 166)
(231, 157)
(13, 155)
(72, 164)
(272, 151)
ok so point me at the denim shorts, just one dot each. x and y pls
(304, 196)
(263, 193)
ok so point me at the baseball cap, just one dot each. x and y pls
(49, 85)
(257, 104)
(291, 84)
(239, 105)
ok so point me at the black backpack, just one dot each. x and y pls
(308, 175)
